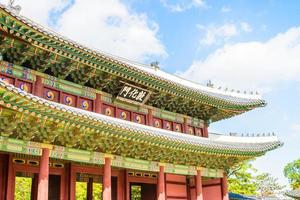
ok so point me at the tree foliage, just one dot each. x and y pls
(292, 173)
(241, 179)
(81, 191)
(23, 188)
(267, 185)
(245, 179)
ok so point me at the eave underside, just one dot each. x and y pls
(30, 118)
(42, 51)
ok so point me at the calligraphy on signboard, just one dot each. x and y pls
(133, 94)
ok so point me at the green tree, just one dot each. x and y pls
(23, 188)
(267, 186)
(292, 173)
(242, 180)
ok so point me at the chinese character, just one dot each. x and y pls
(141, 96)
(133, 93)
(126, 90)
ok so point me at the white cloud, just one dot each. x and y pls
(252, 65)
(225, 9)
(112, 27)
(246, 27)
(39, 10)
(213, 33)
(295, 130)
(218, 34)
(182, 5)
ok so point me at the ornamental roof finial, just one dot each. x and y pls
(14, 8)
(155, 65)
(210, 84)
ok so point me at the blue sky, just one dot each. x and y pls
(251, 45)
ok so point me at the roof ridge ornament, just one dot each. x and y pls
(252, 134)
(155, 65)
(16, 9)
(210, 84)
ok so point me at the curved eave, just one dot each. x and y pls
(51, 41)
(14, 98)
(293, 194)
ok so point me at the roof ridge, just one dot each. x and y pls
(160, 74)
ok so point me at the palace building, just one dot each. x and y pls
(80, 124)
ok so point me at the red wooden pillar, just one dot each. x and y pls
(72, 182)
(107, 179)
(38, 87)
(127, 186)
(98, 103)
(150, 117)
(185, 125)
(121, 185)
(161, 184)
(44, 175)
(10, 186)
(3, 174)
(225, 187)
(205, 130)
(199, 192)
(66, 181)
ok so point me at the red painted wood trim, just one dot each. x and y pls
(133, 179)
(161, 184)
(35, 169)
(98, 104)
(62, 185)
(38, 87)
(121, 184)
(107, 179)
(149, 117)
(176, 197)
(44, 175)
(66, 181)
(175, 183)
(205, 131)
(185, 127)
(211, 185)
(127, 186)
(3, 174)
(72, 182)
(225, 194)
(199, 192)
(10, 179)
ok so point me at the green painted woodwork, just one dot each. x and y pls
(69, 87)
(17, 71)
(89, 157)
(76, 89)
(125, 105)
(25, 119)
(86, 67)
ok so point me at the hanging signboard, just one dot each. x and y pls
(133, 94)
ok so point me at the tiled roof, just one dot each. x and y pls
(226, 96)
(294, 194)
(248, 145)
